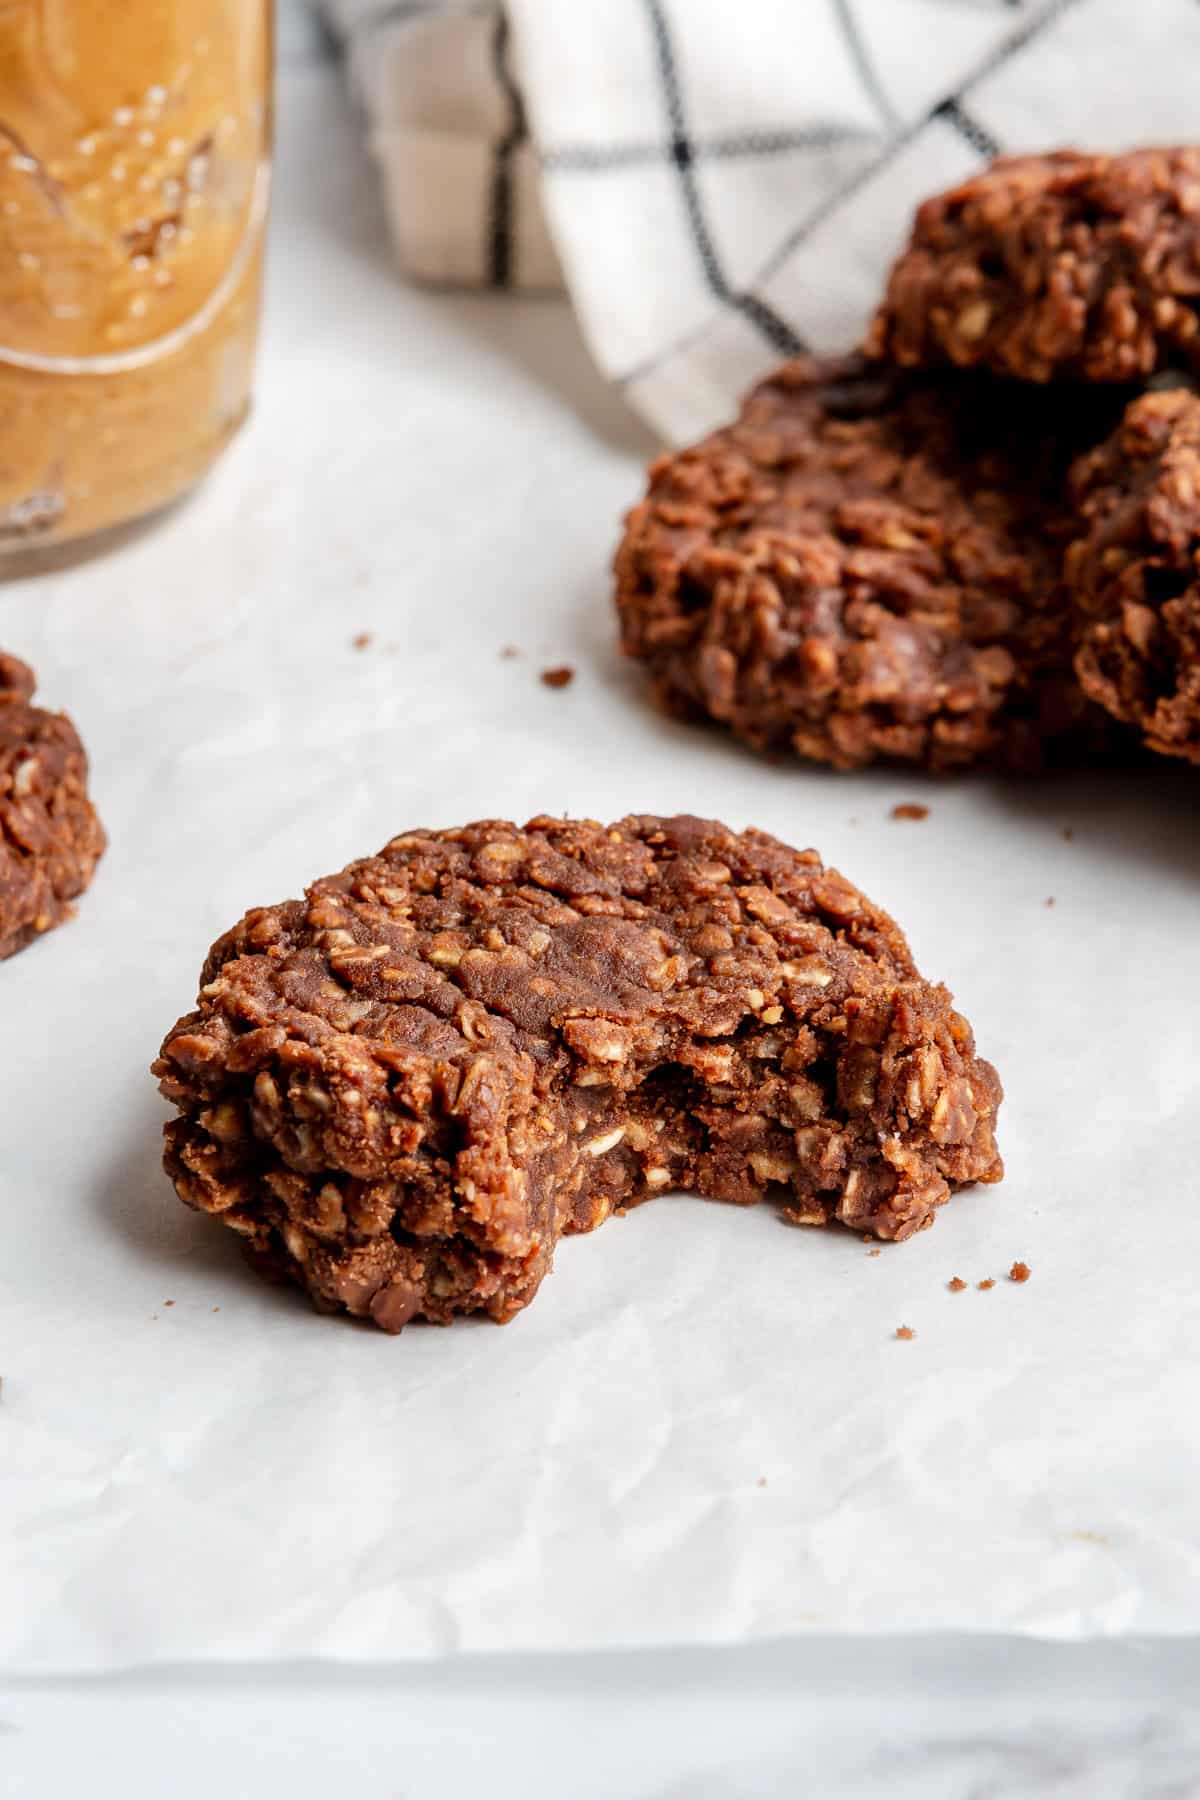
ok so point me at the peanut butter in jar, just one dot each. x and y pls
(134, 164)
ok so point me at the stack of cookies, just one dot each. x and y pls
(972, 543)
(975, 542)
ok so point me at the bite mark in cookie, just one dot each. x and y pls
(404, 1088)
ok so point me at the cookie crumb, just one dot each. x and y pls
(1068, 833)
(168, 1303)
(559, 677)
(1050, 900)
(956, 1284)
(910, 809)
(1020, 1272)
(874, 1252)
(905, 1331)
(989, 1283)
(216, 1309)
(761, 1482)
(363, 640)
(508, 652)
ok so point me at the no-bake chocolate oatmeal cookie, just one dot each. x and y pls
(50, 837)
(1135, 571)
(1045, 267)
(867, 566)
(402, 1089)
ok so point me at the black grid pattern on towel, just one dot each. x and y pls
(595, 159)
(867, 73)
(775, 330)
(500, 234)
(952, 110)
(955, 114)
(1003, 53)
(684, 151)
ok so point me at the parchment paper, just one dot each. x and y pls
(705, 1428)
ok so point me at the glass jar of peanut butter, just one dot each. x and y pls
(134, 165)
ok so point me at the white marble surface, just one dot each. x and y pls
(926, 1719)
(933, 1718)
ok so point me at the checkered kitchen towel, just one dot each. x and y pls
(720, 183)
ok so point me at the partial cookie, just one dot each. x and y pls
(50, 837)
(1053, 267)
(1135, 571)
(402, 1089)
(866, 566)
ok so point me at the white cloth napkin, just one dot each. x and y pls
(723, 182)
